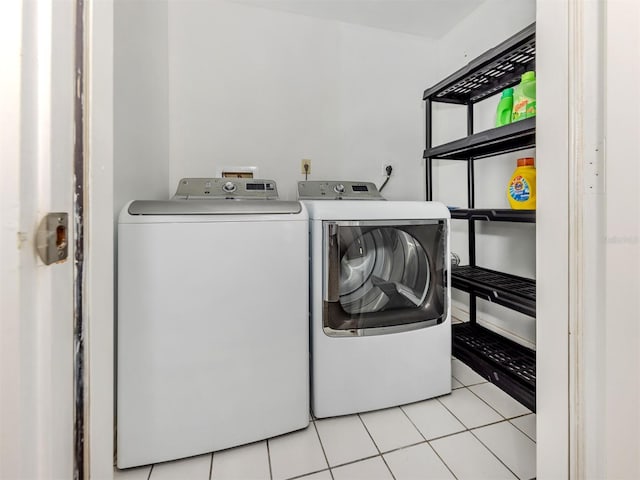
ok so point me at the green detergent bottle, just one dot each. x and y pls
(505, 108)
(524, 97)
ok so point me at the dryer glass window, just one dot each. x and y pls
(388, 276)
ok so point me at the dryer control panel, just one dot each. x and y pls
(232, 188)
(336, 190)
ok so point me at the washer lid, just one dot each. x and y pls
(213, 207)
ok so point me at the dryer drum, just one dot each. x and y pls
(383, 269)
(384, 278)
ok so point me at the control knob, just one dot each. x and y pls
(229, 187)
(339, 188)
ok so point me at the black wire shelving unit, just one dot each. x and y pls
(509, 365)
(498, 359)
(511, 291)
(494, 214)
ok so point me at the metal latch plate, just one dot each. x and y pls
(52, 238)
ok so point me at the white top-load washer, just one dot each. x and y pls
(380, 298)
(212, 320)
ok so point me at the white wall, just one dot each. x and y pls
(508, 247)
(250, 86)
(140, 97)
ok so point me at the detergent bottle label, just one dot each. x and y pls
(531, 109)
(520, 110)
(519, 189)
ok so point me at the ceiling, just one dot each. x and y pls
(427, 18)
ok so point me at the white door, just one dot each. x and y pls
(589, 244)
(36, 301)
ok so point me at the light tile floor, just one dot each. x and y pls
(476, 432)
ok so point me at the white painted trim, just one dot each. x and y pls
(587, 263)
(576, 150)
(552, 239)
(99, 267)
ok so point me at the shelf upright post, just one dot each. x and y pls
(428, 164)
(471, 202)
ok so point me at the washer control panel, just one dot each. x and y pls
(327, 190)
(230, 188)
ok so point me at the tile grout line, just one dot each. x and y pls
(297, 477)
(411, 421)
(475, 428)
(326, 459)
(521, 416)
(427, 442)
(484, 380)
(488, 425)
(503, 419)
(376, 445)
(492, 453)
(468, 429)
(381, 454)
(470, 385)
(269, 460)
(453, 414)
(485, 401)
(351, 462)
(442, 460)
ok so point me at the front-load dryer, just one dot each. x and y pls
(212, 323)
(380, 298)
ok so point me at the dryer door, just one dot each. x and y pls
(384, 276)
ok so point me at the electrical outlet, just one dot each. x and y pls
(384, 168)
(307, 162)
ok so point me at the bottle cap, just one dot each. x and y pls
(507, 92)
(528, 76)
(525, 162)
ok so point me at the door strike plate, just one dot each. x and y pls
(52, 238)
